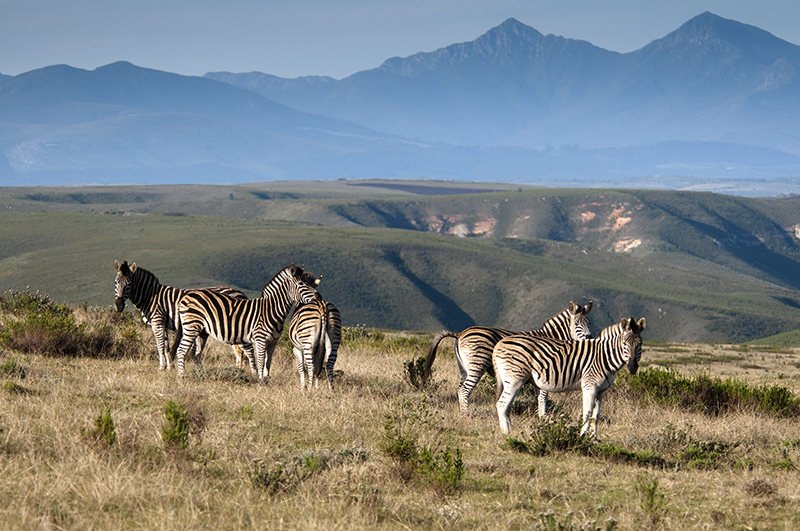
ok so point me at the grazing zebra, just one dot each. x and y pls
(158, 304)
(475, 344)
(255, 322)
(315, 331)
(564, 365)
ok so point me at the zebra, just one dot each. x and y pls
(474, 347)
(158, 305)
(315, 330)
(257, 323)
(565, 365)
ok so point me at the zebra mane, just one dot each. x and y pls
(146, 275)
(292, 270)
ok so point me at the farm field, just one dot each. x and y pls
(273, 457)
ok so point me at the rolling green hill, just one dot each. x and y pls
(698, 266)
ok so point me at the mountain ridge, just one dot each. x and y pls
(713, 100)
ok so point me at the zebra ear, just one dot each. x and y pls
(588, 307)
(573, 309)
(626, 323)
(642, 324)
(117, 265)
(133, 267)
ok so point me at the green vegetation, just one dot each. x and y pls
(726, 265)
(32, 322)
(175, 430)
(104, 430)
(710, 395)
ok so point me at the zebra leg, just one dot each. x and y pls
(237, 353)
(308, 357)
(159, 328)
(251, 357)
(199, 345)
(510, 389)
(468, 384)
(542, 403)
(589, 406)
(190, 334)
(596, 412)
(298, 358)
(463, 392)
(260, 353)
(270, 348)
(332, 348)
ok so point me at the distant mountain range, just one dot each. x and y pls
(715, 99)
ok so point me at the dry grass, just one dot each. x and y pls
(55, 475)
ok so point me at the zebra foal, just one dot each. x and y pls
(255, 323)
(315, 330)
(563, 365)
(474, 346)
(158, 305)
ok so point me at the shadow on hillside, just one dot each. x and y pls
(447, 311)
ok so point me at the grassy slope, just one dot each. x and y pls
(56, 476)
(707, 267)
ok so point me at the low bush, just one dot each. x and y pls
(712, 396)
(175, 430)
(33, 323)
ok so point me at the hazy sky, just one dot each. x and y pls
(328, 37)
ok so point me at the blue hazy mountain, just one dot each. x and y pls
(713, 99)
(712, 79)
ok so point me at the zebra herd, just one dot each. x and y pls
(252, 325)
(560, 356)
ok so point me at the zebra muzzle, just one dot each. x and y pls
(119, 304)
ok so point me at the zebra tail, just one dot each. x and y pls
(432, 353)
(173, 350)
(319, 353)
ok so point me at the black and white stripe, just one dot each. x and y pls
(475, 344)
(255, 322)
(158, 304)
(565, 365)
(315, 331)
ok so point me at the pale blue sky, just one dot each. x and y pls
(328, 37)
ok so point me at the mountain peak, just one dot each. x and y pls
(708, 33)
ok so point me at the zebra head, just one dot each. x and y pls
(302, 288)
(632, 342)
(122, 284)
(579, 324)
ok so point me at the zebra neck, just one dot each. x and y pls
(278, 298)
(144, 287)
(557, 327)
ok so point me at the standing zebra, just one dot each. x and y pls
(257, 322)
(475, 344)
(158, 304)
(315, 331)
(564, 365)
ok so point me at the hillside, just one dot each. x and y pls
(698, 266)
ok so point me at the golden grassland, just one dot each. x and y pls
(273, 457)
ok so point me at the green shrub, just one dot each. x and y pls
(705, 454)
(652, 502)
(33, 323)
(413, 371)
(11, 367)
(444, 470)
(709, 395)
(175, 430)
(548, 522)
(104, 430)
(551, 434)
